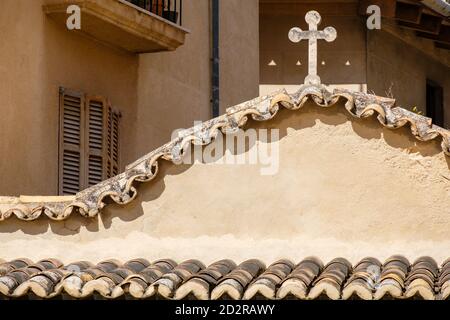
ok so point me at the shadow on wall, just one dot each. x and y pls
(307, 117)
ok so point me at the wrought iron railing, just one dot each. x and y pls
(171, 10)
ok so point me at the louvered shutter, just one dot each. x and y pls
(95, 140)
(115, 143)
(112, 143)
(89, 141)
(71, 158)
(109, 143)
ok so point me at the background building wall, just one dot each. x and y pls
(175, 87)
(156, 93)
(392, 61)
(239, 51)
(394, 67)
(350, 45)
(345, 187)
(37, 56)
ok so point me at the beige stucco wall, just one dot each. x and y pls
(345, 187)
(156, 93)
(37, 56)
(239, 52)
(395, 67)
(175, 87)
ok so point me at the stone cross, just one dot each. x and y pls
(296, 34)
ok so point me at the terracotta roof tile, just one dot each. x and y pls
(267, 283)
(368, 279)
(167, 284)
(444, 280)
(200, 284)
(300, 279)
(362, 282)
(331, 280)
(233, 285)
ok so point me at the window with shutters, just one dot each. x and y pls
(89, 141)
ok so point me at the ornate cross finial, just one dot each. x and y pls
(296, 34)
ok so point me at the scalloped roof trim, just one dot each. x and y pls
(121, 188)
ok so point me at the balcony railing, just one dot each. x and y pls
(171, 10)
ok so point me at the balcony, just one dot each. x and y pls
(171, 10)
(137, 26)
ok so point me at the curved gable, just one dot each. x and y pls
(121, 188)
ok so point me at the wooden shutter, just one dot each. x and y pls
(112, 143)
(89, 141)
(71, 142)
(95, 140)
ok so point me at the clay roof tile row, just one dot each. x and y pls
(369, 279)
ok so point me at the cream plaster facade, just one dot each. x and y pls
(38, 55)
(400, 65)
(345, 187)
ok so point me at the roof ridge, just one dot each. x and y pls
(121, 190)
